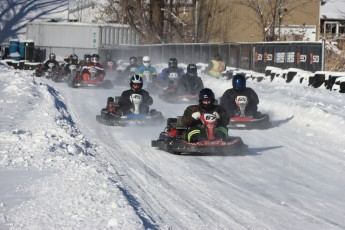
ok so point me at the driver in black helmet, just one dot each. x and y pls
(192, 114)
(109, 64)
(240, 89)
(93, 70)
(50, 63)
(136, 95)
(39, 71)
(52, 59)
(172, 73)
(74, 59)
(132, 67)
(86, 61)
(130, 70)
(191, 83)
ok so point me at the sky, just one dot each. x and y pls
(61, 169)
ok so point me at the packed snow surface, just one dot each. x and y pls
(61, 169)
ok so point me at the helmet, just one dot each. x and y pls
(146, 61)
(95, 58)
(173, 63)
(87, 57)
(133, 60)
(67, 59)
(74, 59)
(192, 70)
(110, 99)
(206, 93)
(239, 82)
(52, 56)
(136, 79)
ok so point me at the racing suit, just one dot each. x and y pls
(189, 85)
(126, 101)
(228, 101)
(195, 129)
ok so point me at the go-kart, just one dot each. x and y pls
(173, 140)
(73, 78)
(94, 80)
(54, 73)
(112, 116)
(248, 121)
(171, 95)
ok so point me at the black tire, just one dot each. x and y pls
(99, 118)
(176, 153)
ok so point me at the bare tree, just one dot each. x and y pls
(209, 23)
(215, 21)
(156, 21)
(170, 21)
(271, 13)
(15, 14)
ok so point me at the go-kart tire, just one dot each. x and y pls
(98, 118)
(176, 153)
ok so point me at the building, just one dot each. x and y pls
(64, 38)
(227, 21)
(332, 19)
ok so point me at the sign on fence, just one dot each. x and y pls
(306, 56)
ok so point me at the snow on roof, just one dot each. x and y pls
(332, 9)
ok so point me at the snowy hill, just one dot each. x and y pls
(60, 169)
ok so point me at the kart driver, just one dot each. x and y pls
(52, 59)
(190, 83)
(172, 73)
(192, 114)
(216, 67)
(135, 100)
(240, 89)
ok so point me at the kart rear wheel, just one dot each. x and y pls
(98, 117)
(176, 153)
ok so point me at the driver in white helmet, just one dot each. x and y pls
(146, 70)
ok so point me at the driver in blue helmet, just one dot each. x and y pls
(192, 114)
(228, 100)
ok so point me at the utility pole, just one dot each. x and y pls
(196, 22)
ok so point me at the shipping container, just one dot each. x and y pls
(80, 35)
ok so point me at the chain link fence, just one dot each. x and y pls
(233, 54)
(250, 56)
(307, 56)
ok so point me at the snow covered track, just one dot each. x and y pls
(61, 169)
